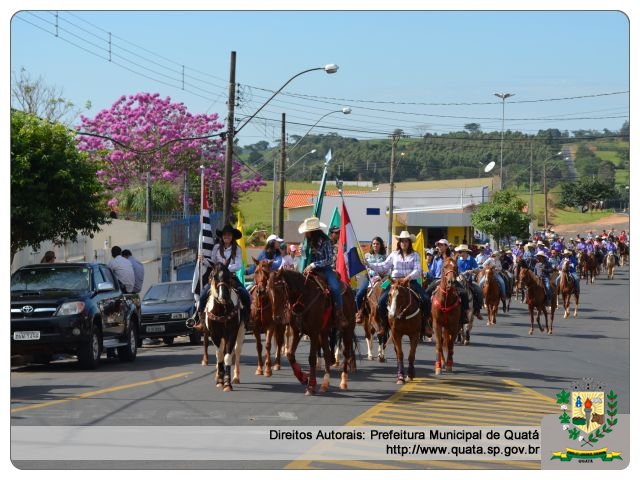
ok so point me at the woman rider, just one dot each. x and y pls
(377, 253)
(321, 260)
(435, 272)
(229, 253)
(271, 252)
(404, 262)
(573, 265)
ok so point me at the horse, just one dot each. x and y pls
(310, 306)
(464, 333)
(518, 289)
(535, 298)
(263, 319)
(508, 287)
(223, 324)
(368, 317)
(623, 252)
(445, 314)
(491, 293)
(592, 266)
(611, 265)
(405, 318)
(567, 287)
(582, 264)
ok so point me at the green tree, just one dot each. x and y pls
(472, 127)
(607, 172)
(586, 190)
(54, 190)
(502, 216)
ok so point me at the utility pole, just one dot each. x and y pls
(544, 188)
(531, 227)
(228, 158)
(395, 138)
(275, 196)
(283, 160)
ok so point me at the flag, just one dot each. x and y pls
(349, 263)
(418, 246)
(317, 211)
(205, 243)
(242, 244)
(335, 220)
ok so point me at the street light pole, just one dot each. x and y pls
(345, 110)
(503, 96)
(395, 138)
(283, 158)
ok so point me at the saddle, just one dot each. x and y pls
(322, 283)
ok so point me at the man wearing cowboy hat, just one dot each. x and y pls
(435, 272)
(541, 247)
(543, 269)
(334, 236)
(518, 250)
(322, 258)
(494, 261)
(468, 263)
(557, 244)
(483, 255)
(568, 256)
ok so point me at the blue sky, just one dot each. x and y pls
(400, 57)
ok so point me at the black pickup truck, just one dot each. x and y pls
(72, 308)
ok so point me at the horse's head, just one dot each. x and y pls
(565, 265)
(398, 295)
(221, 291)
(525, 274)
(276, 288)
(261, 275)
(489, 273)
(449, 272)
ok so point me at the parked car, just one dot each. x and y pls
(165, 309)
(71, 308)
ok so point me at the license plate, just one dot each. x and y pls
(155, 328)
(26, 335)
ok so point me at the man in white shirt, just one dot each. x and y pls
(138, 270)
(122, 269)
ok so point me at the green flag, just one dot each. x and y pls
(335, 220)
(317, 210)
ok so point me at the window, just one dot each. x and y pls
(373, 211)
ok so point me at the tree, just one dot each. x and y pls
(34, 97)
(502, 216)
(472, 127)
(54, 190)
(585, 191)
(152, 135)
(607, 172)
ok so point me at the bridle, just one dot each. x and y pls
(412, 294)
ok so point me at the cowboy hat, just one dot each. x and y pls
(541, 254)
(273, 236)
(237, 234)
(567, 252)
(540, 242)
(518, 242)
(443, 241)
(334, 229)
(310, 224)
(462, 248)
(530, 245)
(405, 234)
(507, 252)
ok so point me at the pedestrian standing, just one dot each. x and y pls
(138, 270)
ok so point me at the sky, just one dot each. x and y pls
(397, 69)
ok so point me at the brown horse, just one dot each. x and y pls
(592, 266)
(610, 262)
(623, 252)
(567, 287)
(263, 319)
(368, 317)
(405, 318)
(536, 298)
(445, 315)
(311, 314)
(491, 293)
(582, 264)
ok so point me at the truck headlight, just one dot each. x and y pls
(177, 316)
(70, 308)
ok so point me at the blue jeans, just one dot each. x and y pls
(547, 287)
(362, 291)
(500, 281)
(576, 281)
(332, 281)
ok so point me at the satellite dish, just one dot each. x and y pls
(489, 167)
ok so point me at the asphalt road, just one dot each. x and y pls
(505, 377)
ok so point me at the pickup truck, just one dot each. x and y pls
(72, 308)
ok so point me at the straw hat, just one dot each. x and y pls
(462, 248)
(541, 254)
(311, 224)
(567, 252)
(405, 234)
(530, 245)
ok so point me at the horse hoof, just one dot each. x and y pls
(489, 323)
(336, 365)
(258, 371)
(466, 342)
(324, 388)
(228, 388)
(343, 386)
(236, 381)
(400, 381)
(531, 332)
(204, 363)
(438, 371)
(550, 332)
(276, 367)
(449, 369)
(382, 359)
(369, 357)
(310, 391)
(267, 373)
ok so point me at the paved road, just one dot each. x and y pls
(505, 377)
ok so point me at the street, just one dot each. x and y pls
(504, 377)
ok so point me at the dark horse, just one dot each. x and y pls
(223, 324)
(567, 288)
(368, 314)
(445, 315)
(263, 319)
(536, 299)
(310, 307)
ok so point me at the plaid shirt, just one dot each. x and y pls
(323, 255)
(401, 266)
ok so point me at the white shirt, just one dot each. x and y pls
(287, 263)
(123, 270)
(402, 266)
(491, 262)
(235, 264)
(138, 273)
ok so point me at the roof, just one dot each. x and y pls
(306, 198)
(440, 184)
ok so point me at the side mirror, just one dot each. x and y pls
(105, 287)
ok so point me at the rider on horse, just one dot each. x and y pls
(529, 256)
(542, 269)
(322, 258)
(271, 252)
(468, 263)
(404, 262)
(485, 252)
(569, 256)
(435, 272)
(494, 261)
(377, 253)
(611, 247)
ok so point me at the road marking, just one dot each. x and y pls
(93, 393)
(450, 400)
(280, 416)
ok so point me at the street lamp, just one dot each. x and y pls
(298, 160)
(345, 110)
(231, 132)
(503, 96)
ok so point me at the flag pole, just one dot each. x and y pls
(200, 242)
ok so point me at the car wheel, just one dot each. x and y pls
(129, 352)
(89, 354)
(168, 340)
(195, 338)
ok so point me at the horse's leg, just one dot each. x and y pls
(467, 335)
(450, 344)
(576, 297)
(414, 340)
(382, 341)
(257, 335)
(291, 356)
(237, 352)
(531, 318)
(552, 314)
(368, 336)
(566, 301)
(347, 355)
(268, 334)
(219, 361)
(397, 343)
(439, 356)
(205, 341)
(313, 359)
(323, 339)
(279, 332)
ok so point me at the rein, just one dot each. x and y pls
(402, 312)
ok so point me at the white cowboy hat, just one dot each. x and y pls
(405, 234)
(541, 254)
(567, 252)
(530, 244)
(443, 241)
(273, 236)
(518, 242)
(462, 248)
(310, 224)
(540, 242)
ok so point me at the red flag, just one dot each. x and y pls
(341, 265)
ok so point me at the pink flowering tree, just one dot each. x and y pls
(144, 133)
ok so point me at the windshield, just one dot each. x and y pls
(54, 278)
(169, 292)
